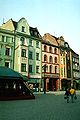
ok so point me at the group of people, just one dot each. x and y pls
(70, 93)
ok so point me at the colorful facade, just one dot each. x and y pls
(68, 67)
(26, 52)
(49, 62)
(50, 58)
(35, 59)
(75, 69)
(6, 48)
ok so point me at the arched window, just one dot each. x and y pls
(50, 69)
(55, 59)
(55, 50)
(55, 69)
(45, 57)
(50, 59)
(45, 48)
(50, 49)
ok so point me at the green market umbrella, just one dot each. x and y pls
(8, 73)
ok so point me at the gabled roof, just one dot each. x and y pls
(50, 39)
(15, 24)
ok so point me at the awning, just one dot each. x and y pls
(34, 80)
(8, 73)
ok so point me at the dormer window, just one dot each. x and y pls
(31, 32)
(66, 45)
(35, 33)
(23, 28)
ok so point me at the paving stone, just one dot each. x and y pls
(44, 107)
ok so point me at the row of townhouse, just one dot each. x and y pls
(62, 64)
(47, 61)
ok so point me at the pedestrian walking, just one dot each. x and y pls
(72, 93)
(67, 94)
(75, 96)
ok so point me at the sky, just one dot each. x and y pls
(57, 17)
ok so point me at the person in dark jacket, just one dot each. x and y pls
(67, 93)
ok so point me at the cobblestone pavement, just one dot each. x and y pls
(44, 107)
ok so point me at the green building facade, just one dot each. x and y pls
(6, 48)
(23, 44)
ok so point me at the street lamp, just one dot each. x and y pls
(44, 67)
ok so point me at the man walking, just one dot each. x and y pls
(67, 93)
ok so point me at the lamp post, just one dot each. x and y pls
(44, 67)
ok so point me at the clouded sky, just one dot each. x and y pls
(57, 17)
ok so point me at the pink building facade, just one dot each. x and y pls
(50, 59)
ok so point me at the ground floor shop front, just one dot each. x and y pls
(66, 83)
(44, 84)
(51, 84)
(35, 84)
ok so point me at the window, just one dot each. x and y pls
(37, 56)
(37, 44)
(62, 43)
(61, 71)
(66, 45)
(2, 38)
(55, 69)
(45, 68)
(36, 33)
(22, 40)
(23, 67)
(7, 51)
(68, 55)
(55, 59)
(50, 68)
(31, 32)
(23, 53)
(45, 48)
(30, 55)
(8, 39)
(30, 68)
(45, 57)
(12, 39)
(23, 28)
(7, 64)
(55, 50)
(30, 42)
(50, 59)
(50, 49)
(37, 69)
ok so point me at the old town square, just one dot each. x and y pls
(50, 106)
